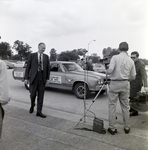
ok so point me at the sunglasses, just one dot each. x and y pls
(133, 57)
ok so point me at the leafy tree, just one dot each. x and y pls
(95, 58)
(22, 49)
(5, 50)
(94, 54)
(68, 56)
(15, 57)
(81, 51)
(53, 55)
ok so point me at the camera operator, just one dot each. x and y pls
(121, 70)
(140, 80)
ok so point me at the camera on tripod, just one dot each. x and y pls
(107, 55)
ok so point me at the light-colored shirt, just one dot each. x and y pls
(5, 94)
(121, 67)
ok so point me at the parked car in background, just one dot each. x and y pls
(19, 64)
(71, 77)
(98, 67)
(9, 64)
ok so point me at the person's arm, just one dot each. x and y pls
(48, 67)
(111, 66)
(132, 72)
(26, 77)
(144, 75)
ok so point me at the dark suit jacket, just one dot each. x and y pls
(89, 66)
(141, 78)
(32, 67)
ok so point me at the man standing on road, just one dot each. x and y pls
(89, 65)
(121, 70)
(140, 80)
(4, 91)
(37, 73)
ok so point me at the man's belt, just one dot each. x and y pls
(119, 79)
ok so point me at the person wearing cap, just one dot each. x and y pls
(121, 70)
(140, 80)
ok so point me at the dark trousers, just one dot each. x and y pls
(37, 90)
(134, 89)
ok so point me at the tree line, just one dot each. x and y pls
(23, 51)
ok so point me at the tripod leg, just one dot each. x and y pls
(99, 92)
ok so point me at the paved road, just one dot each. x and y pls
(57, 132)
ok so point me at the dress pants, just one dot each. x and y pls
(37, 90)
(119, 90)
(134, 89)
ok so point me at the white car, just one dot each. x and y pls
(19, 64)
(70, 76)
(9, 64)
(98, 67)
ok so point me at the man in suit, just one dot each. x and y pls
(89, 65)
(36, 74)
(140, 80)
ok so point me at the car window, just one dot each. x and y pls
(72, 67)
(55, 68)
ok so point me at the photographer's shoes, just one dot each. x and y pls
(127, 130)
(111, 131)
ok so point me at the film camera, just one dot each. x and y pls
(107, 55)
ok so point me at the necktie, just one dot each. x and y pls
(40, 63)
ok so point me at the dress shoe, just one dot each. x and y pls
(32, 109)
(40, 115)
(134, 113)
(111, 131)
(127, 130)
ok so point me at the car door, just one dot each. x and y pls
(57, 76)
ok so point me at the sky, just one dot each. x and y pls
(73, 24)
